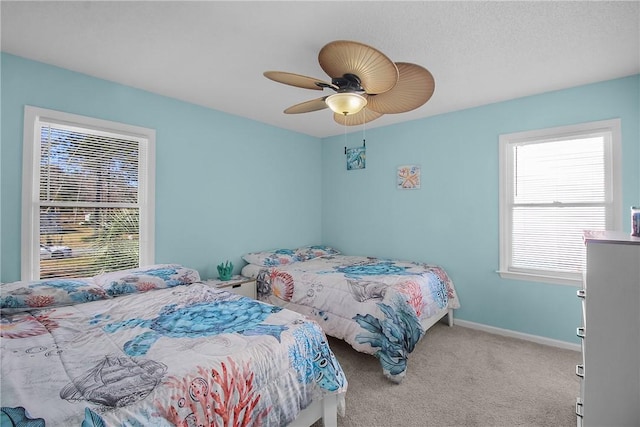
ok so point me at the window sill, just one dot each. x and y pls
(540, 278)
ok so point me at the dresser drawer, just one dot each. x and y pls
(582, 294)
(240, 285)
(579, 412)
(247, 289)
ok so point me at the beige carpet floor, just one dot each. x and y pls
(463, 377)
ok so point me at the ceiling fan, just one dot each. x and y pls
(361, 76)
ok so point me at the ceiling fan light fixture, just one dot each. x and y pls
(346, 103)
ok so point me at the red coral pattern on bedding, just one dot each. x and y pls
(412, 290)
(226, 397)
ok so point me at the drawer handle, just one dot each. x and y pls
(236, 286)
(580, 371)
(580, 332)
(579, 408)
(581, 293)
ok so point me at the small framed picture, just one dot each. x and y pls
(356, 158)
(408, 177)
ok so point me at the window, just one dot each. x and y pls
(87, 195)
(554, 184)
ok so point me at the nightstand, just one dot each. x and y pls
(240, 285)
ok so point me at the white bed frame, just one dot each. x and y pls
(427, 323)
(325, 409)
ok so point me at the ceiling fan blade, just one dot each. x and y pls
(363, 116)
(307, 106)
(414, 88)
(377, 73)
(298, 80)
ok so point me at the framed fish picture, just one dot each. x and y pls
(356, 157)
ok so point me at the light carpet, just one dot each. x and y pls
(459, 376)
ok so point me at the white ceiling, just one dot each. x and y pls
(213, 53)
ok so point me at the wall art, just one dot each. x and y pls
(356, 157)
(408, 177)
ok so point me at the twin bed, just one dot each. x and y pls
(379, 306)
(156, 347)
(153, 347)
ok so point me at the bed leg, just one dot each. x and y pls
(450, 317)
(330, 411)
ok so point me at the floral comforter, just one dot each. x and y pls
(376, 305)
(185, 355)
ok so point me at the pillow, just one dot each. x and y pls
(306, 253)
(147, 278)
(272, 258)
(47, 293)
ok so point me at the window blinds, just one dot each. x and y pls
(559, 190)
(89, 201)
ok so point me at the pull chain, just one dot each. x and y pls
(364, 129)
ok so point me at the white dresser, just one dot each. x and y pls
(610, 331)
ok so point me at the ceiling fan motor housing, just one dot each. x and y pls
(347, 83)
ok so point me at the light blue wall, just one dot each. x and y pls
(225, 185)
(453, 219)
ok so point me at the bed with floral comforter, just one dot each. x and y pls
(152, 348)
(379, 306)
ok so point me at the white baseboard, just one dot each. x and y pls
(509, 333)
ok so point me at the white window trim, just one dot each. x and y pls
(614, 169)
(30, 259)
